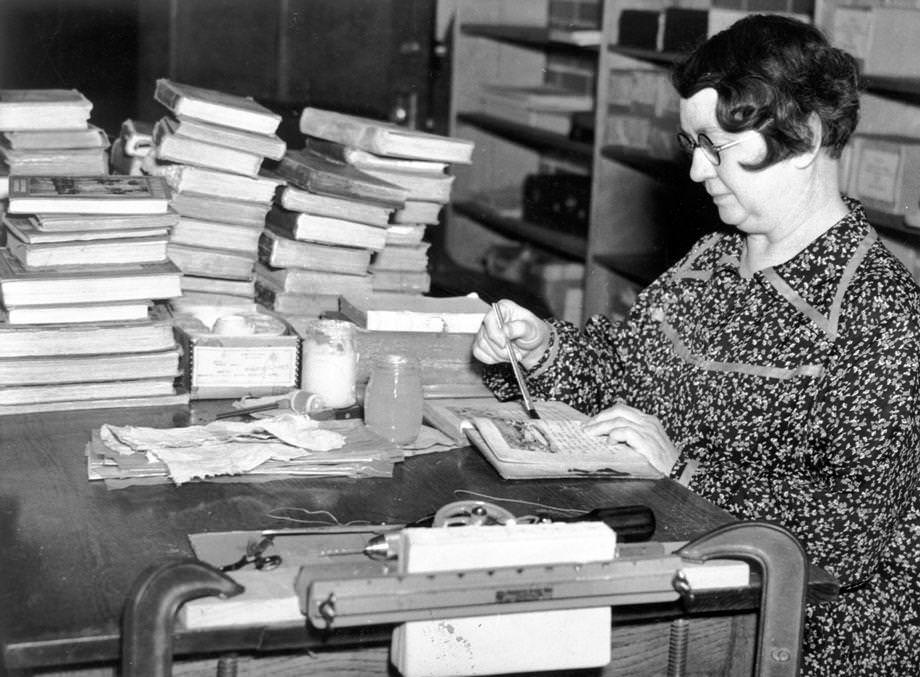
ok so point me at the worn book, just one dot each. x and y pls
(26, 228)
(290, 303)
(211, 208)
(270, 146)
(543, 97)
(416, 211)
(384, 138)
(85, 339)
(404, 312)
(55, 162)
(405, 235)
(201, 233)
(324, 229)
(299, 200)
(84, 223)
(184, 178)
(110, 311)
(150, 249)
(413, 257)
(216, 107)
(304, 281)
(43, 109)
(174, 148)
(113, 194)
(110, 366)
(74, 392)
(317, 174)
(421, 186)
(20, 286)
(403, 281)
(192, 284)
(172, 399)
(51, 139)
(212, 262)
(365, 160)
(278, 251)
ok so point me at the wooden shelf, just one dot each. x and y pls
(533, 37)
(537, 139)
(573, 246)
(902, 89)
(650, 55)
(664, 170)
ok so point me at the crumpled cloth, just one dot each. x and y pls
(223, 447)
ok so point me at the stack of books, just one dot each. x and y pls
(85, 259)
(417, 162)
(210, 149)
(47, 132)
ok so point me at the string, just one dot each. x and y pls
(272, 514)
(536, 504)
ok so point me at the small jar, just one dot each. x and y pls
(393, 398)
(329, 362)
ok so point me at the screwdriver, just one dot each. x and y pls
(632, 523)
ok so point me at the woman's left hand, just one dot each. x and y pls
(642, 432)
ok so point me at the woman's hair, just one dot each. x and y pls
(772, 73)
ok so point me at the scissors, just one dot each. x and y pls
(255, 555)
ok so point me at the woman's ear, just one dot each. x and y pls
(806, 158)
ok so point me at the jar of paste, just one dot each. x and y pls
(329, 362)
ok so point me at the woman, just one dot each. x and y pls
(775, 369)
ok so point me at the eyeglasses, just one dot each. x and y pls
(705, 144)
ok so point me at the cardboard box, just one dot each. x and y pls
(885, 174)
(877, 37)
(231, 366)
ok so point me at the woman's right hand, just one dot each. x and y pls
(527, 334)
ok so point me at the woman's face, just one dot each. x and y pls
(752, 201)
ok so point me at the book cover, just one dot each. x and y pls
(87, 252)
(26, 228)
(81, 368)
(184, 178)
(211, 208)
(170, 400)
(270, 146)
(217, 107)
(43, 109)
(324, 229)
(420, 186)
(290, 303)
(305, 281)
(383, 138)
(77, 339)
(192, 284)
(109, 311)
(67, 223)
(365, 160)
(55, 162)
(317, 174)
(50, 139)
(281, 252)
(20, 286)
(75, 392)
(113, 194)
(402, 258)
(211, 262)
(200, 233)
(174, 148)
(404, 312)
(298, 200)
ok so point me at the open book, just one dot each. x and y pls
(522, 448)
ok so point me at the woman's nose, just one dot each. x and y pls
(700, 166)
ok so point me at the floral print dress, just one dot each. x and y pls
(797, 391)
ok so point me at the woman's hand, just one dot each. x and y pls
(641, 432)
(528, 335)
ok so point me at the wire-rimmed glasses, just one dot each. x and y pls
(705, 144)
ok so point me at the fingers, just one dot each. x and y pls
(526, 333)
(643, 433)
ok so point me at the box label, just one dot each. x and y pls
(877, 175)
(222, 366)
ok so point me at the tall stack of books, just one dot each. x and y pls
(210, 149)
(47, 132)
(417, 162)
(85, 258)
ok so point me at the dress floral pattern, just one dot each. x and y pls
(797, 390)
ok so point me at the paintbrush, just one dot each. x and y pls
(515, 367)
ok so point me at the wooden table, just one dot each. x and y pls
(71, 549)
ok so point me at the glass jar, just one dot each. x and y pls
(393, 399)
(329, 362)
